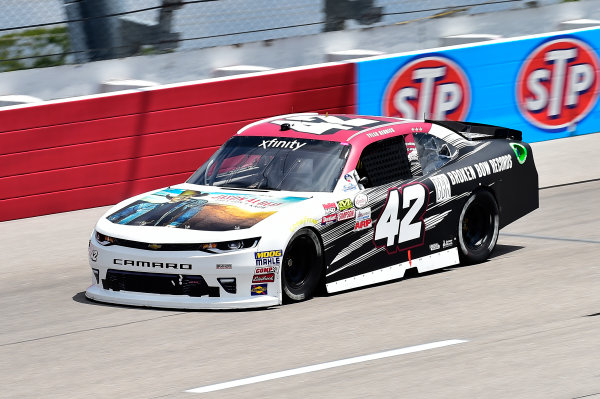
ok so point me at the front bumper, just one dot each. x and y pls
(180, 279)
(97, 293)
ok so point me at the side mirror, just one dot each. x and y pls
(445, 151)
(363, 181)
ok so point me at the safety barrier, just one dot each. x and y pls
(94, 151)
(87, 152)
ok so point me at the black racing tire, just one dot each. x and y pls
(478, 227)
(302, 266)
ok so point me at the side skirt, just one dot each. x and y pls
(423, 264)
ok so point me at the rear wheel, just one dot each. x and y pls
(478, 227)
(302, 266)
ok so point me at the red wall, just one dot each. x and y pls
(83, 153)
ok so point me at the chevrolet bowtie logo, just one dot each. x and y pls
(154, 246)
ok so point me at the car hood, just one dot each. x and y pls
(200, 208)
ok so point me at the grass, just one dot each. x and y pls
(34, 48)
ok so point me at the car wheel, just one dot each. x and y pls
(302, 266)
(478, 227)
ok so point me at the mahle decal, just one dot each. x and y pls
(520, 152)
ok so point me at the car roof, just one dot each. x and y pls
(342, 128)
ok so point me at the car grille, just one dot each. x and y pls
(157, 247)
(156, 283)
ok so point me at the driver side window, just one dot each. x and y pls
(433, 152)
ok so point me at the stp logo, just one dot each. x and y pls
(558, 83)
(430, 87)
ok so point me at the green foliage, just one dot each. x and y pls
(34, 48)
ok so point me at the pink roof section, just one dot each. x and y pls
(359, 137)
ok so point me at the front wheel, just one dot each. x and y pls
(302, 266)
(478, 227)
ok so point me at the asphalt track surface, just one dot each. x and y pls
(530, 317)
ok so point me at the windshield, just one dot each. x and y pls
(270, 163)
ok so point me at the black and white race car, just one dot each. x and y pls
(299, 202)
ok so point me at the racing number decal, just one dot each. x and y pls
(324, 124)
(400, 225)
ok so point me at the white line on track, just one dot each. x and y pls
(324, 366)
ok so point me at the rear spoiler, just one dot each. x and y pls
(479, 131)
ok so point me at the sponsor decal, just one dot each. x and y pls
(411, 150)
(500, 164)
(360, 201)
(462, 175)
(170, 208)
(349, 187)
(268, 261)
(400, 225)
(223, 266)
(329, 219)
(267, 254)
(161, 265)
(263, 278)
(363, 214)
(480, 169)
(94, 255)
(348, 177)
(268, 258)
(349, 214)
(303, 222)
(345, 204)
(191, 209)
(557, 85)
(431, 87)
(258, 289)
(442, 187)
(434, 247)
(362, 224)
(264, 270)
(446, 243)
(380, 133)
(330, 208)
(274, 143)
(253, 202)
(520, 151)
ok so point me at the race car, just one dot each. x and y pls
(304, 202)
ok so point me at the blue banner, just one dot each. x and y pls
(545, 85)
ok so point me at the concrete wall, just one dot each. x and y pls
(76, 80)
(98, 150)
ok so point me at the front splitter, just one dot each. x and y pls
(96, 293)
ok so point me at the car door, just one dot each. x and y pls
(389, 214)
